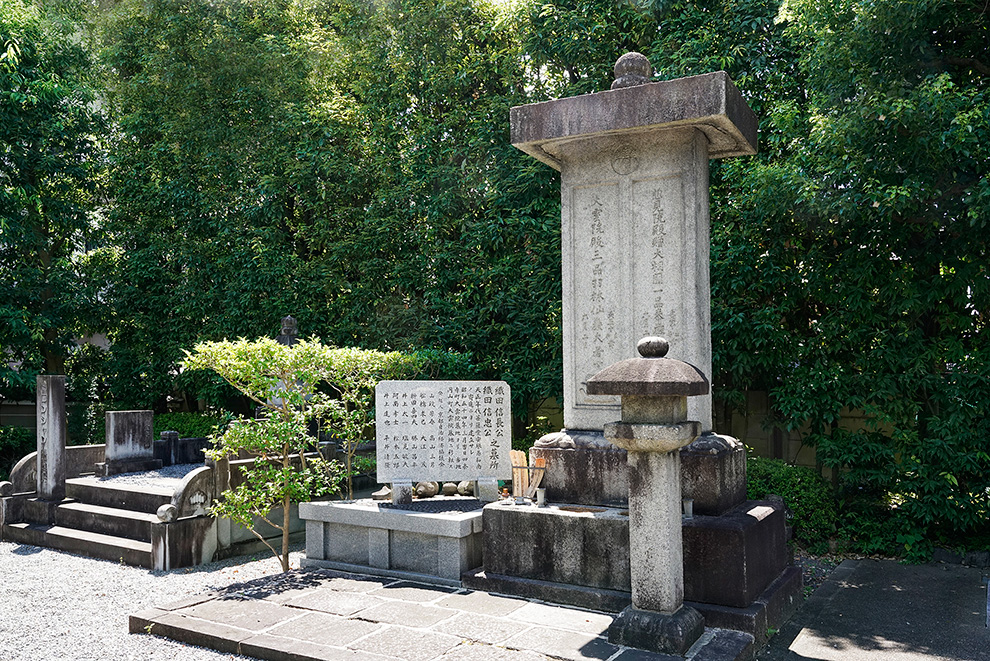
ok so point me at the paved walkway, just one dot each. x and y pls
(871, 610)
(866, 611)
(326, 614)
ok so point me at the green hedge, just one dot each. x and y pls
(189, 425)
(805, 493)
(15, 442)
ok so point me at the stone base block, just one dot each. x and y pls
(573, 544)
(367, 535)
(713, 473)
(104, 469)
(666, 633)
(768, 612)
(27, 508)
(730, 559)
(592, 475)
(598, 599)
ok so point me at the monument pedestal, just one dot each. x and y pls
(433, 540)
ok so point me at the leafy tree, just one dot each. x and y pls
(852, 263)
(287, 468)
(50, 166)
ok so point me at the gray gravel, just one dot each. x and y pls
(168, 477)
(56, 605)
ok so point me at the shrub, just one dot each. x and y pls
(15, 442)
(804, 492)
(190, 425)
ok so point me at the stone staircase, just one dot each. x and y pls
(113, 522)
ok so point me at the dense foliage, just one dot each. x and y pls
(15, 443)
(50, 168)
(808, 498)
(349, 163)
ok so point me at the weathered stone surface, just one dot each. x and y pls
(649, 376)
(655, 551)
(771, 609)
(635, 242)
(634, 218)
(599, 599)
(651, 437)
(324, 629)
(482, 603)
(667, 633)
(564, 644)
(51, 467)
(485, 630)
(184, 542)
(709, 102)
(564, 618)
(411, 645)
(713, 473)
(558, 544)
(129, 436)
(586, 475)
(735, 556)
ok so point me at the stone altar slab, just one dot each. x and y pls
(416, 543)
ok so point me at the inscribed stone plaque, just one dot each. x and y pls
(443, 430)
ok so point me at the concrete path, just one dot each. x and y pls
(324, 614)
(870, 610)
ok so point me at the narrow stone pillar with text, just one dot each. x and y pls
(51, 437)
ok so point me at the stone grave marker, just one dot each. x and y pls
(443, 431)
(51, 437)
(130, 443)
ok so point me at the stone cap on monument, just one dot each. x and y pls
(711, 103)
(650, 375)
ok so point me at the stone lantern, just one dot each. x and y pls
(654, 427)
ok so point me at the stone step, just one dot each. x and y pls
(24, 533)
(94, 545)
(126, 497)
(106, 520)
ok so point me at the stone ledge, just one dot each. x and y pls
(709, 102)
(368, 514)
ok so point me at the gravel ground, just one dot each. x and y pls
(168, 477)
(59, 606)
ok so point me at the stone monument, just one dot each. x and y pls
(635, 242)
(424, 430)
(130, 443)
(635, 252)
(51, 437)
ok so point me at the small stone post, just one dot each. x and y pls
(654, 427)
(51, 437)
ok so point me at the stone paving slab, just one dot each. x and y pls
(881, 610)
(328, 615)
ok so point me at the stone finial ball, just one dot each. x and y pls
(653, 347)
(168, 513)
(632, 69)
(6, 489)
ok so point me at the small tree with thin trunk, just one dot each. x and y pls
(287, 469)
